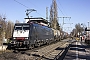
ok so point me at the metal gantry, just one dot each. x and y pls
(64, 22)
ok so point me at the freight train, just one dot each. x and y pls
(35, 32)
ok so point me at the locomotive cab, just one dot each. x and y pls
(20, 36)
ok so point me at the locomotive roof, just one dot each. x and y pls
(21, 23)
(37, 20)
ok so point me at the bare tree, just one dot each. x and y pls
(9, 29)
(79, 28)
(6, 28)
(53, 15)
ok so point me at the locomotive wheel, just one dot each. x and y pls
(31, 46)
(48, 42)
(39, 44)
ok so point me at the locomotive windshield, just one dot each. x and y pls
(25, 27)
(18, 27)
(22, 27)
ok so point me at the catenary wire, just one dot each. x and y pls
(21, 4)
(62, 7)
(27, 7)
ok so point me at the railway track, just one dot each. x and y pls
(50, 52)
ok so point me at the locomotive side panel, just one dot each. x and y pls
(41, 34)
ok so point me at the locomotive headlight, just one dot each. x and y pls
(26, 38)
(14, 38)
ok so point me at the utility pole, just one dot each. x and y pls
(88, 24)
(88, 27)
(47, 13)
(11, 29)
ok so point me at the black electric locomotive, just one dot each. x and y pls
(28, 35)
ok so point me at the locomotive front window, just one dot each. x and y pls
(18, 28)
(25, 27)
(22, 27)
